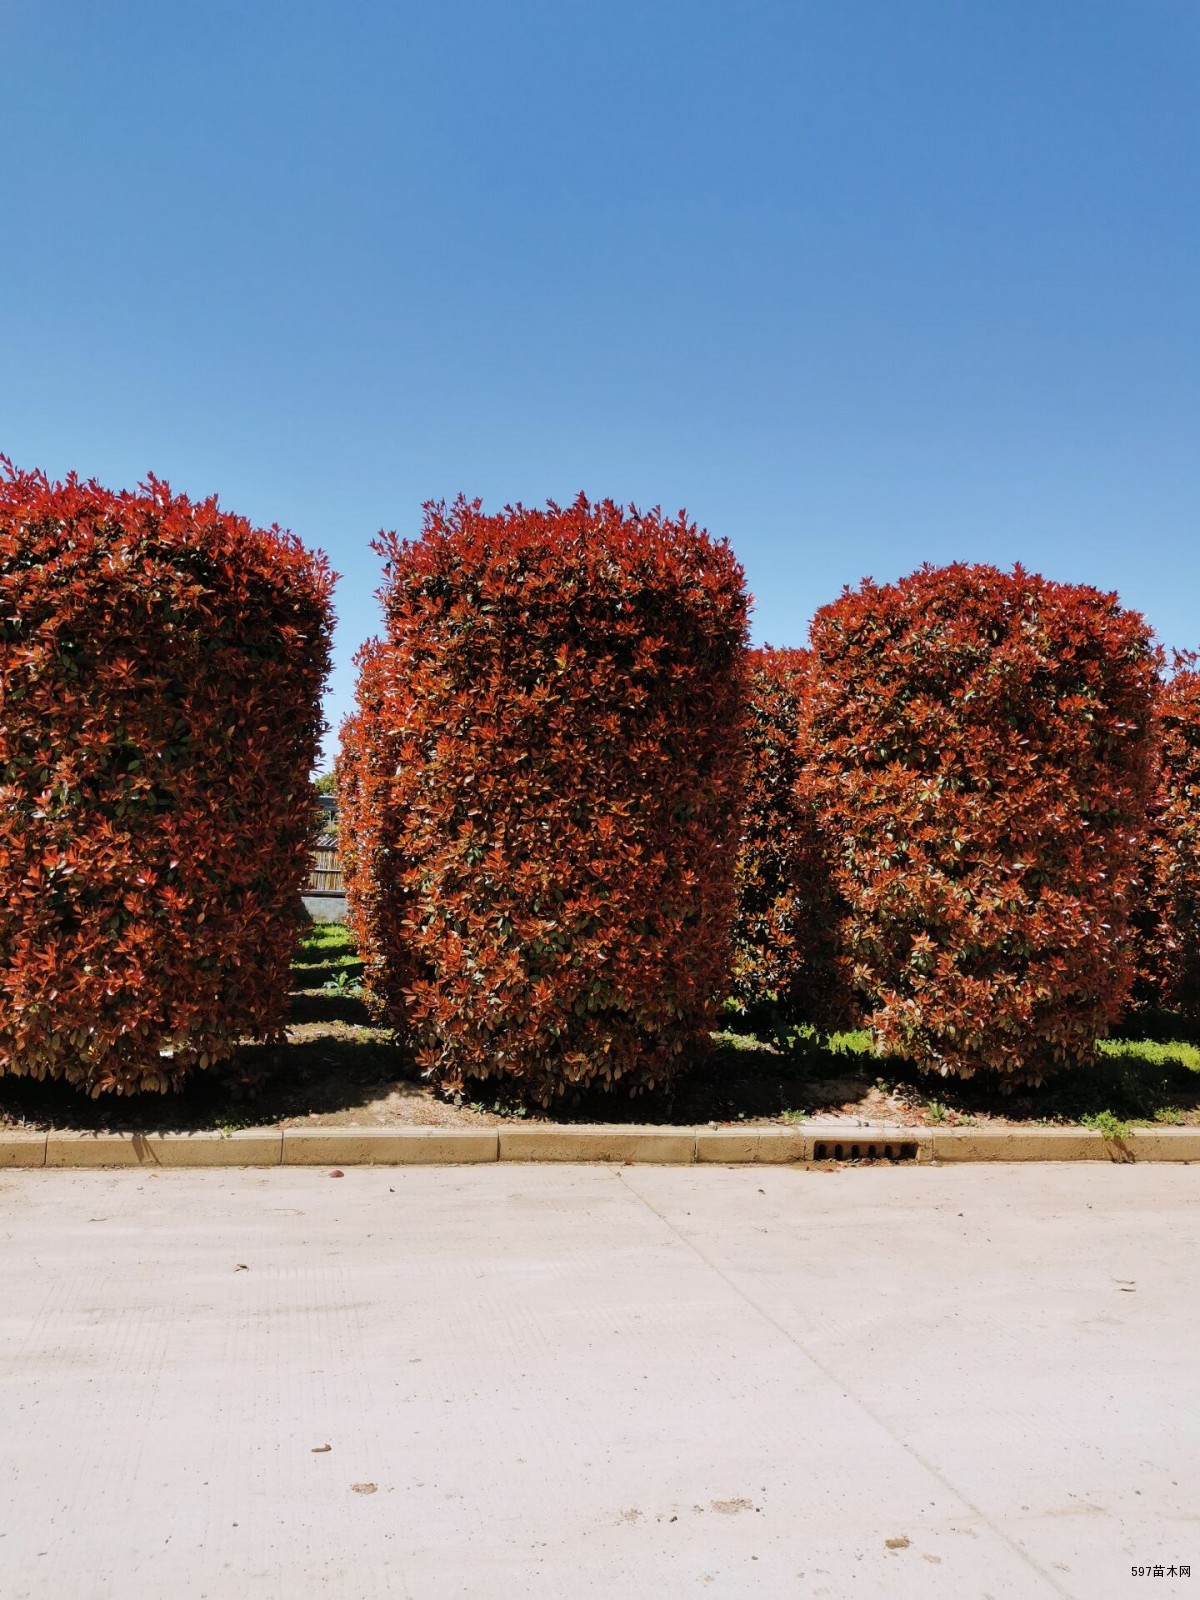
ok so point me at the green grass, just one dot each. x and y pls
(852, 1042)
(1153, 1052)
(731, 1039)
(324, 938)
(1104, 1122)
(325, 954)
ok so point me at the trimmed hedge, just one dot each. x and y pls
(370, 818)
(1169, 914)
(783, 937)
(981, 747)
(161, 663)
(544, 776)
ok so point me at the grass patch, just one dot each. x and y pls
(1153, 1052)
(853, 1042)
(326, 954)
(1104, 1122)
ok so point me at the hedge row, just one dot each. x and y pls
(945, 802)
(161, 664)
(576, 811)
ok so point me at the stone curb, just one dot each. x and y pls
(1017, 1144)
(665, 1146)
(387, 1147)
(21, 1149)
(1163, 1144)
(620, 1143)
(250, 1147)
(730, 1145)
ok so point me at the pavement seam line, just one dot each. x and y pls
(854, 1398)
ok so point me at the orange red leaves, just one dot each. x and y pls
(784, 951)
(980, 746)
(1169, 907)
(539, 792)
(161, 663)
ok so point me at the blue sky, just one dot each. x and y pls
(861, 283)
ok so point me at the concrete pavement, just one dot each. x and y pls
(584, 1381)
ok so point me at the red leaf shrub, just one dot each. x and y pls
(981, 747)
(1169, 913)
(542, 780)
(161, 664)
(783, 936)
(370, 818)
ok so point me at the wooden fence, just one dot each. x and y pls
(326, 875)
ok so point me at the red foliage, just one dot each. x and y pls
(783, 937)
(981, 746)
(161, 664)
(1169, 914)
(540, 793)
(370, 818)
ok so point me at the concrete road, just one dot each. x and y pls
(585, 1381)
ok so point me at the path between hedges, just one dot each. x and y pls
(591, 1381)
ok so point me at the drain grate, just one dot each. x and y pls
(871, 1150)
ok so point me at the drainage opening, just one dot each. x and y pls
(886, 1150)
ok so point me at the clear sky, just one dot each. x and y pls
(861, 283)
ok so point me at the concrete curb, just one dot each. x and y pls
(556, 1142)
(20, 1149)
(1017, 1144)
(1162, 1144)
(737, 1145)
(248, 1148)
(621, 1143)
(387, 1147)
